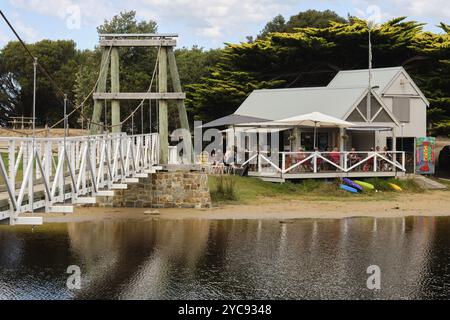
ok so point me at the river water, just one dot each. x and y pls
(228, 259)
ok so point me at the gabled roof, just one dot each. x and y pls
(337, 99)
(381, 77)
(276, 104)
(232, 119)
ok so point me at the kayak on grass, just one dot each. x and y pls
(348, 188)
(352, 184)
(395, 187)
(365, 185)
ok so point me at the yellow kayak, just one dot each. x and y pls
(395, 187)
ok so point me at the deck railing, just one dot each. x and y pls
(314, 162)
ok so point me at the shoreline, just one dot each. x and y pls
(423, 204)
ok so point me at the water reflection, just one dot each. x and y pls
(175, 259)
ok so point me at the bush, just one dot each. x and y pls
(224, 189)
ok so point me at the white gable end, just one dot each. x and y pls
(401, 85)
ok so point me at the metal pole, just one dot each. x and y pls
(315, 132)
(31, 195)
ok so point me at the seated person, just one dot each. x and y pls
(379, 160)
(384, 164)
(228, 159)
(353, 157)
(300, 156)
(369, 163)
(335, 156)
(212, 158)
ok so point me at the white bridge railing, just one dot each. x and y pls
(282, 163)
(75, 168)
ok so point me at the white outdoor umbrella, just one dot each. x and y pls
(313, 119)
(316, 119)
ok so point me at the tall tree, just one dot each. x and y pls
(195, 63)
(16, 71)
(277, 24)
(313, 19)
(304, 19)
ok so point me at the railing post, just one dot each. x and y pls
(283, 163)
(403, 161)
(345, 166)
(71, 163)
(315, 162)
(12, 170)
(94, 157)
(375, 162)
(259, 162)
(47, 171)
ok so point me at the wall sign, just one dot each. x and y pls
(425, 158)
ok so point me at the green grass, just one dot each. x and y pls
(248, 190)
(223, 189)
(408, 185)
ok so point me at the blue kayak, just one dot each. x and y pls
(352, 184)
(348, 188)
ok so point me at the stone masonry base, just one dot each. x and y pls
(179, 189)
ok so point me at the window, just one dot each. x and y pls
(401, 108)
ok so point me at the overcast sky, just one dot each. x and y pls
(207, 23)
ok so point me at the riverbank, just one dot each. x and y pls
(430, 203)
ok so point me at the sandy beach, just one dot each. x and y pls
(435, 203)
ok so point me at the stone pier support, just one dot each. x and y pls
(178, 189)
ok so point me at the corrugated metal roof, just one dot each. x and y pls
(232, 119)
(276, 104)
(350, 78)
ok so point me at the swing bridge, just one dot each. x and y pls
(53, 174)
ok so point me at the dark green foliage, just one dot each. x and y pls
(313, 19)
(278, 24)
(194, 63)
(16, 75)
(441, 128)
(305, 19)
